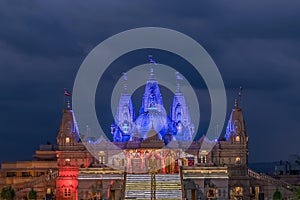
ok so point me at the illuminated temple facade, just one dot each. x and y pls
(152, 156)
(176, 126)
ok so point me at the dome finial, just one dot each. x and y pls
(68, 105)
(125, 82)
(152, 61)
(178, 78)
(236, 103)
(240, 95)
(152, 125)
(151, 73)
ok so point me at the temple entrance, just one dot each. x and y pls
(136, 164)
(153, 163)
(170, 165)
(116, 190)
(193, 194)
(113, 195)
(192, 190)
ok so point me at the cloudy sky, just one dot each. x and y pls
(254, 44)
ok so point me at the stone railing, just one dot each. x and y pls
(19, 187)
(269, 179)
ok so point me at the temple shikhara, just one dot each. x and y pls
(152, 155)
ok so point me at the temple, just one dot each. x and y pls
(175, 126)
(152, 156)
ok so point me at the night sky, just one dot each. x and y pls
(254, 43)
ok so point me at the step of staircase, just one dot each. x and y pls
(138, 186)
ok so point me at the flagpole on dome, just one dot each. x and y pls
(152, 61)
(125, 86)
(240, 96)
(67, 99)
(178, 78)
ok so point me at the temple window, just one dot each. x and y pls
(237, 138)
(67, 161)
(67, 192)
(102, 159)
(202, 159)
(26, 174)
(11, 174)
(67, 140)
(211, 193)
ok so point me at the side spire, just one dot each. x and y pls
(124, 118)
(236, 123)
(68, 131)
(179, 115)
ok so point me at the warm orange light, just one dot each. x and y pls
(67, 140)
(48, 190)
(239, 191)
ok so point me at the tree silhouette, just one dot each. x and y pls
(277, 195)
(32, 194)
(297, 194)
(8, 193)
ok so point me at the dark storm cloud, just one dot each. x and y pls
(254, 44)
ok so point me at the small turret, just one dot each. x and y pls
(235, 139)
(168, 137)
(153, 140)
(153, 134)
(68, 134)
(69, 155)
(236, 131)
(124, 118)
(180, 116)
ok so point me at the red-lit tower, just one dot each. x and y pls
(71, 155)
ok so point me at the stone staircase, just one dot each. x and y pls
(21, 187)
(138, 186)
(270, 180)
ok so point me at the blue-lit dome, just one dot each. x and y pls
(155, 117)
(152, 115)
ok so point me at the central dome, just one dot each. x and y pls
(155, 118)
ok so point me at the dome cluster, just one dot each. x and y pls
(152, 117)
